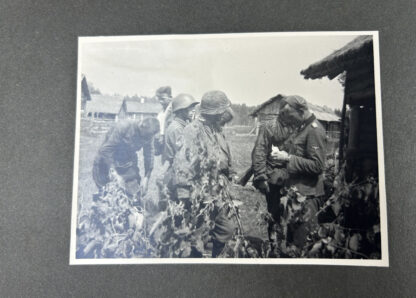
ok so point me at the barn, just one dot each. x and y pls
(270, 109)
(104, 107)
(358, 139)
(139, 108)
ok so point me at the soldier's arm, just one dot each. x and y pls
(260, 152)
(174, 141)
(187, 161)
(112, 139)
(282, 131)
(149, 157)
(314, 161)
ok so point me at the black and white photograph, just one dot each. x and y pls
(248, 148)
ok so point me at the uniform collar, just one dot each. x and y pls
(180, 121)
(308, 121)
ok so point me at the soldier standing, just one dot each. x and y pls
(270, 174)
(183, 107)
(119, 151)
(305, 161)
(203, 161)
(164, 96)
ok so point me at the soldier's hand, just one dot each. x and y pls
(280, 155)
(263, 186)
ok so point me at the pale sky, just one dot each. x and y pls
(250, 69)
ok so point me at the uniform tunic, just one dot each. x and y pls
(307, 163)
(119, 150)
(274, 133)
(204, 156)
(173, 139)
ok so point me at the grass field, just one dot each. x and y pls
(240, 146)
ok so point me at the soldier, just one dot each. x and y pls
(119, 151)
(164, 96)
(305, 161)
(183, 107)
(270, 174)
(204, 160)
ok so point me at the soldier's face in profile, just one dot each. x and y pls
(164, 100)
(190, 113)
(226, 117)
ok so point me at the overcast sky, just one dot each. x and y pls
(248, 68)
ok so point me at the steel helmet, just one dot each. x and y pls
(214, 103)
(183, 101)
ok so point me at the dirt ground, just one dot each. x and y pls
(253, 203)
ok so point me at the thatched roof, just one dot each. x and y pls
(136, 106)
(321, 113)
(104, 104)
(356, 52)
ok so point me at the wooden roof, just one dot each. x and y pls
(356, 52)
(136, 106)
(104, 104)
(266, 103)
(321, 113)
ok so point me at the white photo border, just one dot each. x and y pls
(383, 262)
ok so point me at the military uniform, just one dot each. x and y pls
(202, 161)
(119, 150)
(271, 133)
(307, 160)
(305, 167)
(173, 139)
(173, 143)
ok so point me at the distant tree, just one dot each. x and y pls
(242, 114)
(92, 89)
(338, 112)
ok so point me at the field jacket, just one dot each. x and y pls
(272, 132)
(119, 150)
(204, 154)
(173, 139)
(307, 161)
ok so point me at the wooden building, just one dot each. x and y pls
(270, 109)
(358, 140)
(103, 107)
(139, 108)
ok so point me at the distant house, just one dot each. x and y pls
(139, 108)
(270, 109)
(104, 107)
(358, 142)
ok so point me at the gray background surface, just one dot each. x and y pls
(38, 64)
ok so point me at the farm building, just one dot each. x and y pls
(270, 109)
(103, 107)
(139, 108)
(358, 140)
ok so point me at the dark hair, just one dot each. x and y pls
(150, 126)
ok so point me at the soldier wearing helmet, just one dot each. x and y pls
(203, 160)
(183, 106)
